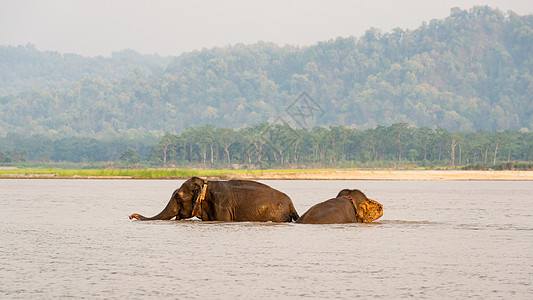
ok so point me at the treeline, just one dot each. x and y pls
(470, 71)
(19, 148)
(268, 145)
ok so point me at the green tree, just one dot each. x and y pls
(130, 158)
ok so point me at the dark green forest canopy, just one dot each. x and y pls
(471, 71)
(269, 145)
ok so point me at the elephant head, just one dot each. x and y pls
(367, 210)
(181, 203)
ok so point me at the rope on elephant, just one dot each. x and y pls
(196, 212)
(351, 199)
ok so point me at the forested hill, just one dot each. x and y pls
(25, 68)
(473, 70)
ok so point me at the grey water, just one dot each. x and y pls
(436, 240)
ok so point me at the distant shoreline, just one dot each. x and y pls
(405, 175)
(387, 175)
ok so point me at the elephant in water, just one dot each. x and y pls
(233, 200)
(350, 206)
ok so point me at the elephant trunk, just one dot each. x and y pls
(170, 211)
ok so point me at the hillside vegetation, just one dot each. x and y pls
(471, 71)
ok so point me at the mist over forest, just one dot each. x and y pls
(472, 71)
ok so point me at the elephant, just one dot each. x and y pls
(350, 206)
(226, 200)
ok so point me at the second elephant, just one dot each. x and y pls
(350, 206)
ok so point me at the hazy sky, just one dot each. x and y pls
(170, 27)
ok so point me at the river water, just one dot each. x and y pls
(73, 238)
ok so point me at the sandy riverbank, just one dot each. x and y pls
(422, 175)
(389, 175)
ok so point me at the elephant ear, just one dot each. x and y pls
(195, 189)
(369, 211)
(357, 195)
(196, 204)
(190, 188)
(344, 192)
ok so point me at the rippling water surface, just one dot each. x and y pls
(73, 238)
